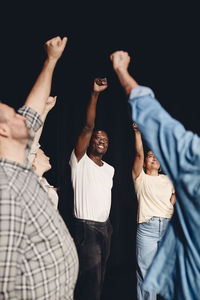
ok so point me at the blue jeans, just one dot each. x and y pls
(148, 237)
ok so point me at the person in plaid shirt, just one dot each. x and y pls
(38, 258)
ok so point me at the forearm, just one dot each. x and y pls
(42, 87)
(126, 80)
(85, 136)
(138, 144)
(139, 154)
(91, 111)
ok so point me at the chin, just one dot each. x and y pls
(100, 153)
(48, 168)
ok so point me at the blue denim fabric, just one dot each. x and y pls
(149, 234)
(175, 271)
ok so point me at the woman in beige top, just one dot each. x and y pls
(40, 162)
(156, 197)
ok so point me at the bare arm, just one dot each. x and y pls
(173, 199)
(100, 84)
(139, 152)
(50, 103)
(120, 61)
(42, 87)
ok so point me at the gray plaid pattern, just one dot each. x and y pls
(38, 258)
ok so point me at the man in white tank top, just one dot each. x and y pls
(92, 181)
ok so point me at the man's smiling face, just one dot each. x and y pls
(99, 142)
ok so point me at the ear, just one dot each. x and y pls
(4, 130)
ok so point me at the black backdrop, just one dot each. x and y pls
(162, 39)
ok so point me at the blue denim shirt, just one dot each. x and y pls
(175, 271)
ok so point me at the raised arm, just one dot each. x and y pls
(42, 87)
(175, 148)
(50, 103)
(120, 61)
(100, 84)
(139, 152)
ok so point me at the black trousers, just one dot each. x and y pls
(92, 241)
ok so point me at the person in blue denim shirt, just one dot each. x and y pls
(156, 197)
(175, 270)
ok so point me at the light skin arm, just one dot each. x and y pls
(100, 84)
(120, 61)
(42, 87)
(139, 152)
(50, 103)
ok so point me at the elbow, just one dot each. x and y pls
(88, 128)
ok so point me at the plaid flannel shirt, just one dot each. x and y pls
(38, 258)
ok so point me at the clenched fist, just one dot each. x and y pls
(120, 60)
(55, 47)
(100, 84)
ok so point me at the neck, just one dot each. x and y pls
(13, 151)
(39, 172)
(96, 159)
(152, 172)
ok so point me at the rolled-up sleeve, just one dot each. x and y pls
(33, 120)
(176, 149)
(174, 272)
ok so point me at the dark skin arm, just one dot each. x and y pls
(100, 84)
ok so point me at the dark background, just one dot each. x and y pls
(162, 39)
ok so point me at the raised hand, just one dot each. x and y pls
(120, 60)
(50, 103)
(55, 47)
(100, 84)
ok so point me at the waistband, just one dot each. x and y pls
(154, 218)
(90, 222)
